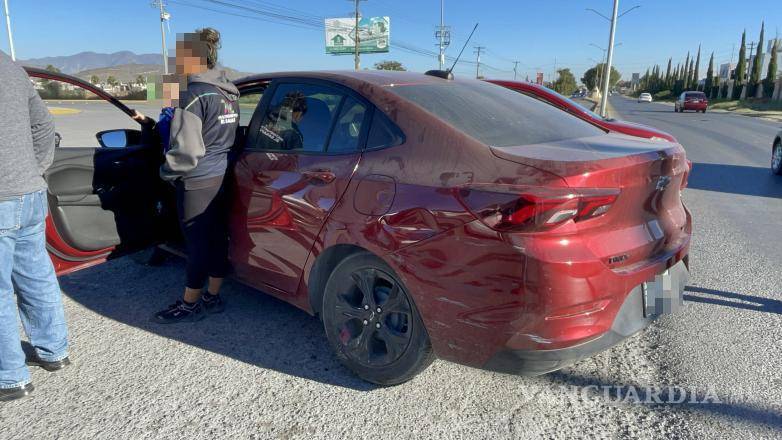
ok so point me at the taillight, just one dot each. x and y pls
(509, 208)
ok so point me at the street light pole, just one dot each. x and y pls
(8, 27)
(609, 60)
(357, 40)
(163, 17)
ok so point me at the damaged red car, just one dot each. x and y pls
(419, 218)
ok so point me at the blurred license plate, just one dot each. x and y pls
(664, 295)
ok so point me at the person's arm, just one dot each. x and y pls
(186, 142)
(42, 128)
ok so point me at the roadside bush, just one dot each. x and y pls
(665, 94)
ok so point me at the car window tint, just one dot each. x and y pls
(299, 117)
(347, 131)
(248, 104)
(495, 115)
(383, 133)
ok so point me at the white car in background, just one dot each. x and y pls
(645, 97)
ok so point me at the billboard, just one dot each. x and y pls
(374, 35)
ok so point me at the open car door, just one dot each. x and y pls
(105, 194)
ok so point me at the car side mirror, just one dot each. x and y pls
(122, 138)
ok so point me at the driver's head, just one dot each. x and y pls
(196, 52)
(297, 103)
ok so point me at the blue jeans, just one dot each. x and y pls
(25, 267)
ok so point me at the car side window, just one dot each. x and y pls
(248, 104)
(383, 133)
(347, 130)
(298, 118)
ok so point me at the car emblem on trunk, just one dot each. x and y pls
(663, 182)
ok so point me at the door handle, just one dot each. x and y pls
(322, 176)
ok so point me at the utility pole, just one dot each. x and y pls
(357, 39)
(478, 50)
(751, 49)
(515, 69)
(8, 27)
(443, 35)
(164, 16)
(609, 60)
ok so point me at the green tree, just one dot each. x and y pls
(390, 65)
(51, 89)
(741, 68)
(757, 64)
(771, 75)
(709, 76)
(566, 82)
(696, 72)
(94, 79)
(687, 71)
(52, 69)
(111, 81)
(590, 76)
(668, 75)
(140, 80)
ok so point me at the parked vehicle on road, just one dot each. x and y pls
(418, 217)
(645, 97)
(550, 96)
(776, 154)
(691, 101)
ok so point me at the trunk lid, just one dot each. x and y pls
(648, 220)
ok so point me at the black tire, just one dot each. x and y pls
(379, 336)
(776, 168)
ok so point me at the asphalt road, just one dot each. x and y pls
(263, 368)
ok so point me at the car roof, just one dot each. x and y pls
(374, 77)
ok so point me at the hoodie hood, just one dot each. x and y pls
(218, 79)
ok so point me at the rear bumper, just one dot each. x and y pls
(628, 321)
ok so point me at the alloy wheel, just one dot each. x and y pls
(373, 318)
(776, 158)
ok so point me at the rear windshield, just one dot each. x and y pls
(494, 115)
(696, 95)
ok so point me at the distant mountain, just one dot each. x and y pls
(91, 60)
(129, 72)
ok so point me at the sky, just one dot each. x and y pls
(542, 35)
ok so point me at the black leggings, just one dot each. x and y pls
(202, 212)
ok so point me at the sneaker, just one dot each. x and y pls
(180, 312)
(212, 303)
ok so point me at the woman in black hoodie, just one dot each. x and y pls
(203, 131)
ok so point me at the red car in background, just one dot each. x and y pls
(419, 217)
(691, 101)
(572, 107)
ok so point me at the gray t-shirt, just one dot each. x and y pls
(26, 133)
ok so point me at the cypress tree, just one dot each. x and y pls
(668, 75)
(741, 68)
(757, 64)
(686, 75)
(771, 76)
(696, 76)
(692, 81)
(710, 76)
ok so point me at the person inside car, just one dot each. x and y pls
(283, 124)
(203, 131)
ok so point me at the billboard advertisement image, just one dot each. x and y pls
(374, 35)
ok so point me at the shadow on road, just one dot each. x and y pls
(736, 179)
(729, 299)
(709, 400)
(255, 328)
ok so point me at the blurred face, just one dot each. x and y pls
(170, 94)
(188, 60)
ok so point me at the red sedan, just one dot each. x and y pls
(557, 100)
(691, 101)
(418, 218)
